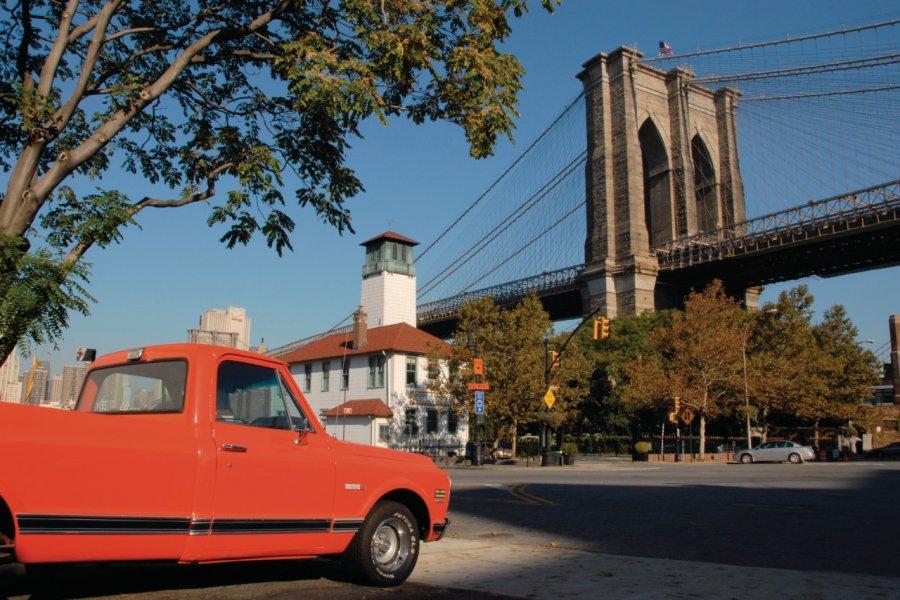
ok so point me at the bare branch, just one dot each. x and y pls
(64, 114)
(48, 73)
(200, 196)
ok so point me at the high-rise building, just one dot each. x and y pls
(72, 378)
(229, 327)
(12, 392)
(56, 389)
(35, 384)
(9, 374)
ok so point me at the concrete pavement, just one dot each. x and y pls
(555, 572)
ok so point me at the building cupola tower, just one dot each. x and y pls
(389, 280)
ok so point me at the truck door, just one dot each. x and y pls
(274, 489)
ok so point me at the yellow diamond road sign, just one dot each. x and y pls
(549, 398)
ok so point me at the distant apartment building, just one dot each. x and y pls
(13, 392)
(72, 378)
(10, 390)
(56, 389)
(229, 327)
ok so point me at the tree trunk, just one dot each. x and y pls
(702, 436)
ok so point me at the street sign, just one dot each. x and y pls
(479, 403)
(687, 415)
(549, 398)
(477, 386)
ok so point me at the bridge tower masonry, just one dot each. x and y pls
(662, 164)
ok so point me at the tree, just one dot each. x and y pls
(192, 95)
(511, 344)
(701, 350)
(607, 407)
(850, 371)
(813, 371)
(784, 365)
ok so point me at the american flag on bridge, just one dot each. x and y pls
(665, 49)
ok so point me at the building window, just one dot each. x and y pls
(403, 253)
(432, 370)
(384, 434)
(326, 369)
(376, 371)
(307, 377)
(452, 421)
(431, 420)
(411, 425)
(394, 251)
(345, 374)
(411, 371)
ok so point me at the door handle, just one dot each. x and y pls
(233, 448)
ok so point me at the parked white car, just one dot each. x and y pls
(776, 451)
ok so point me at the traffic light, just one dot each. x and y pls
(677, 405)
(601, 328)
(554, 360)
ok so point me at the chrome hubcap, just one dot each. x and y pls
(390, 544)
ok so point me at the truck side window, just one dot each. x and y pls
(250, 395)
(144, 387)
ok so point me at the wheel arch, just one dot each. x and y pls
(416, 506)
(7, 533)
(7, 523)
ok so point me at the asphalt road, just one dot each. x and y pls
(817, 516)
(820, 517)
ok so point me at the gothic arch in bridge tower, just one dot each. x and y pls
(657, 185)
(705, 189)
(662, 165)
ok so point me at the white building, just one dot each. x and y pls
(368, 384)
(9, 378)
(229, 327)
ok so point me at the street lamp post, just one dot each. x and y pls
(744, 337)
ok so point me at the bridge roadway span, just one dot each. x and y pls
(843, 234)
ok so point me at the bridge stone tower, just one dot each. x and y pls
(662, 164)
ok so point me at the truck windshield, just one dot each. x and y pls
(151, 387)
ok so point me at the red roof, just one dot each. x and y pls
(360, 408)
(390, 235)
(400, 337)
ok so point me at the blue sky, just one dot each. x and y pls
(153, 287)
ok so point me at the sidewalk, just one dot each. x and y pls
(556, 573)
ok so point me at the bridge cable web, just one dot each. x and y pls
(524, 222)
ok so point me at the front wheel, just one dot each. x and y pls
(795, 458)
(746, 459)
(385, 549)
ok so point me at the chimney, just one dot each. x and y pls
(360, 328)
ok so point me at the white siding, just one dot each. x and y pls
(389, 298)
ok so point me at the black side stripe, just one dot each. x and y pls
(271, 526)
(345, 525)
(103, 525)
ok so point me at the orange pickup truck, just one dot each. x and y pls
(202, 454)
